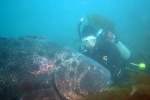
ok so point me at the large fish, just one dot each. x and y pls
(37, 69)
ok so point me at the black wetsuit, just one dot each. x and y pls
(109, 56)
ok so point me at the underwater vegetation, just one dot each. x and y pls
(138, 90)
(100, 21)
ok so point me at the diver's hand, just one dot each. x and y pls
(110, 37)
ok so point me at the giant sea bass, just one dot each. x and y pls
(37, 69)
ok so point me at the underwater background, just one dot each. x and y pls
(57, 20)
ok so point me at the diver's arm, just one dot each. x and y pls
(125, 53)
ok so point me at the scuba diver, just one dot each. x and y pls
(103, 46)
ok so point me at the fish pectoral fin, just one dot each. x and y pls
(46, 94)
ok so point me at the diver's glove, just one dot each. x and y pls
(110, 37)
(107, 36)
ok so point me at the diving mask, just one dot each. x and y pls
(89, 41)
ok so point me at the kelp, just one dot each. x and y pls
(139, 90)
(99, 21)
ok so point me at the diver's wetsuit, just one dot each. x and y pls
(109, 56)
